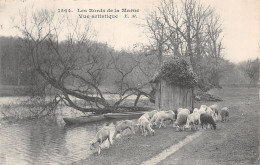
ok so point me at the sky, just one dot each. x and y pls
(240, 22)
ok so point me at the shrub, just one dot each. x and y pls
(177, 72)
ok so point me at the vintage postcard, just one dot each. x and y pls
(129, 82)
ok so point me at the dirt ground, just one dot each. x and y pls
(234, 142)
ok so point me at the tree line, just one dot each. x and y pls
(16, 70)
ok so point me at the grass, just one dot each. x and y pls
(234, 142)
(134, 149)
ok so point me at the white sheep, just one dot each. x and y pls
(101, 136)
(181, 119)
(215, 109)
(122, 125)
(145, 125)
(150, 114)
(155, 116)
(163, 116)
(193, 119)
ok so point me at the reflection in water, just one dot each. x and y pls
(38, 143)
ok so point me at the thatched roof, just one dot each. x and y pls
(176, 72)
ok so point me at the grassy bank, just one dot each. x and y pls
(134, 149)
(233, 142)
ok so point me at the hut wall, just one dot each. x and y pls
(169, 97)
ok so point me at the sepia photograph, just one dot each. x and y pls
(129, 82)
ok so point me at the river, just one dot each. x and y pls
(38, 142)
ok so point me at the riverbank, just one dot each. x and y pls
(234, 142)
(135, 148)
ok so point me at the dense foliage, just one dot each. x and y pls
(178, 73)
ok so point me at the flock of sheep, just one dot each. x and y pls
(184, 119)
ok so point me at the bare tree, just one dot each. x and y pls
(189, 30)
(75, 66)
(157, 27)
(251, 70)
(131, 77)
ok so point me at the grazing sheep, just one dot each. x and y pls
(181, 119)
(101, 136)
(151, 113)
(121, 126)
(215, 108)
(145, 125)
(155, 116)
(224, 114)
(163, 116)
(147, 116)
(211, 112)
(206, 119)
(193, 119)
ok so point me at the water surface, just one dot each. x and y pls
(45, 142)
(37, 143)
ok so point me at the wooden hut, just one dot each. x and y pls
(174, 86)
